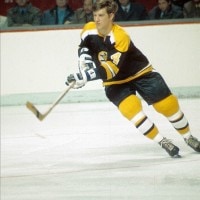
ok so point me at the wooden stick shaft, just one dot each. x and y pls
(41, 116)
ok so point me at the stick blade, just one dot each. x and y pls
(34, 110)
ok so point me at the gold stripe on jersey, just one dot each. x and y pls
(109, 72)
(113, 66)
(121, 42)
(122, 39)
(147, 69)
(117, 35)
(110, 69)
(89, 29)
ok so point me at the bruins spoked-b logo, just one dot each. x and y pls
(103, 56)
(115, 58)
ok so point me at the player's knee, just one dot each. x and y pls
(130, 106)
(168, 106)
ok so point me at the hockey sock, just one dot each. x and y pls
(144, 125)
(169, 107)
(131, 108)
(180, 123)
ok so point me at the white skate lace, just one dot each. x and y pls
(192, 141)
(166, 143)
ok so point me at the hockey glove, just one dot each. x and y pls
(86, 65)
(87, 70)
(78, 78)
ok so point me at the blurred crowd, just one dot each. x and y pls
(25, 13)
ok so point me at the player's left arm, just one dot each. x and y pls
(117, 56)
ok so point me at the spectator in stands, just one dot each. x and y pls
(191, 9)
(60, 14)
(23, 14)
(148, 4)
(179, 3)
(84, 14)
(75, 4)
(130, 11)
(3, 21)
(166, 10)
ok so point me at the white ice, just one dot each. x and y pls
(88, 151)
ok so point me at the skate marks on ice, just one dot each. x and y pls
(75, 154)
(73, 139)
(90, 152)
(72, 172)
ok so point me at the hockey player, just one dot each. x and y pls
(106, 52)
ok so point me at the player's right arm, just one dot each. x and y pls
(87, 68)
(87, 72)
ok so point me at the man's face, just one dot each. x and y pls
(103, 21)
(61, 3)
(163, 5)
(21, 2)
(87, 6)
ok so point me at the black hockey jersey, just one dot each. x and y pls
(116, 57)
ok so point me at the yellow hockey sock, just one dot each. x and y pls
(169, 107)
(131, 108)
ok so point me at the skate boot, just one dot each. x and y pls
(193, 143)
(171, 149)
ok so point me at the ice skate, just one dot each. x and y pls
(193, 143)
(171, 149)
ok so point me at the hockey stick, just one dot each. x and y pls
(41, 116)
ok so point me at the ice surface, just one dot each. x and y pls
(88, 151)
